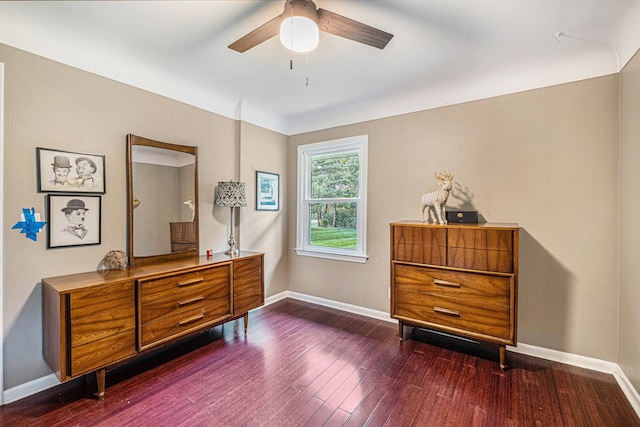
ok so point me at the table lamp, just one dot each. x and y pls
(231, 195)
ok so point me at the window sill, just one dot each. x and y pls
(362, 259)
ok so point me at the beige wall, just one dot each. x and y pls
(264, 231)
(546, 159)
(629, 359)
(54, 106)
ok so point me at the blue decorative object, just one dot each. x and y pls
(29, 226)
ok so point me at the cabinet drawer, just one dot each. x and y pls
(481, 288)
(179, 323)
(100, 353)
(97, 299)
(175, 284)
(93, 328)
(455, 315)
(487, 250)
(420, 245)
(209, 296)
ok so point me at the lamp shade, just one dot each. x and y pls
(299, 34)
(231, 194)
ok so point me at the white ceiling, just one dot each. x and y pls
(443, 52)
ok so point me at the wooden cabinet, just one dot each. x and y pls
(456, 278)
(183, 236)
(95, 320)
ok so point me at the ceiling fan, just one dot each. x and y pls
(297, 11)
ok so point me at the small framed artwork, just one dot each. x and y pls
(267, 191)
(74, 220)
(69, 172)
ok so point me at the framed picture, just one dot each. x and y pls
(74, 220)
(68, 172)
(267, 191)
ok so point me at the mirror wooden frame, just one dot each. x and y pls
(133, 140)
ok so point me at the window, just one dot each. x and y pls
(332, 204)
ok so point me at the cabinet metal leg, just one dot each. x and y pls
(101, 375)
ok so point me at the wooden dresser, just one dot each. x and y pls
(457, 278)
(98, 319)
(183, 236)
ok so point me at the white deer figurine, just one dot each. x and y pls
(437, 200)
(192, 206)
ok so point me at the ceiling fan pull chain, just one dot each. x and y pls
(306, 77)
(291, 41)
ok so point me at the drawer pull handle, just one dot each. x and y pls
(190, 282)
(190, 319)
(446, 311)
(190, 301)
(445, 283)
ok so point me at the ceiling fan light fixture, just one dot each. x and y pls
(299, 34)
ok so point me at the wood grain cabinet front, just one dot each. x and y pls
(175, 305)
(89, 328)
(95, 320)
(102, 326)
(248, 285)
(457, 278)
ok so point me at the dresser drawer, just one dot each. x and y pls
(420, 245)
(180, 322)
(100, 353)
(102, 325)
(209, 296)
(482, 288)
(97, 299)
(455, 315)
(176, 284)
(481, 249)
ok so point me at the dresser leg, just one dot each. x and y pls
(503, 357)
(101, 377)
(246, 322)
(400, 330)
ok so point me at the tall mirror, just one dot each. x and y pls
(162, 199)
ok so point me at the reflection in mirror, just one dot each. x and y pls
(162, 200)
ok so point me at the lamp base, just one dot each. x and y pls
(232, 245)
(232, 251)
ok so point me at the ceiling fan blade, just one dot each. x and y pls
(339, 25)
(257, 36)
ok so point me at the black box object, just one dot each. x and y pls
(464, 217)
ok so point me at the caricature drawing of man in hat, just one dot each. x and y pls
(75, 213)
(85, 168)
(61, 167)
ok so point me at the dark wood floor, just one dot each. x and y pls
(307, 365)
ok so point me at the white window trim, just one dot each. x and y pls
(305, 152)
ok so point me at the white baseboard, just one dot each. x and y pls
(566, 358)
(40, 384)
(376, 314)
(27, 389)
(628, 389)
